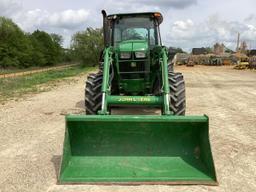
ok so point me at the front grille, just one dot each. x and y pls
(128, 66)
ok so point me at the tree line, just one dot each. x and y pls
(22, 50)
(87, 46)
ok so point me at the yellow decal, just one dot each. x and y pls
(132, 99)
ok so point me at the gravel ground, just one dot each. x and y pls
(32, 133)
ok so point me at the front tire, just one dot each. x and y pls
(177, 93)
(93, 94)
(171, 67)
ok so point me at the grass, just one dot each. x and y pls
(15, 70)
(18, 86)
(8, 71)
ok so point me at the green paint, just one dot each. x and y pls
(137, 149)
(133, 45)
(105, 85)
(107, 62)
(166, 89)
(133, 85)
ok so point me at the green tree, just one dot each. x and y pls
(38, 57)
(68, 55)
(19, 49)
(58, 50)
(57, 39)
(209, 49)
(45, 48)
(87, 46)
(15, 46)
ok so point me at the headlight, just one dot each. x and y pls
(125, 55)
(140, 54)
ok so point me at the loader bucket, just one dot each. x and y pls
(131, 149)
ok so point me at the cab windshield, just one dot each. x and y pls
(135, 28)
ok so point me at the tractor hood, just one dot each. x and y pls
(133, 45)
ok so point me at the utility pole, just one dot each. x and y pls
(238, 42)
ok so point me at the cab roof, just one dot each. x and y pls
(156, 15)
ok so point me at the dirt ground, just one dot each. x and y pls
(32, 133)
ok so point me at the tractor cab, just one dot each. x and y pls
(120, 28)
(134, 37)
(136, 29)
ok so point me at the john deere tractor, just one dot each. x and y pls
(151, 149)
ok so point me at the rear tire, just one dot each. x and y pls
(93, 94)
(171, 67)
(177, 93)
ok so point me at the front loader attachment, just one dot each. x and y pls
(131, 149)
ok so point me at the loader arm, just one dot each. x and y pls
(165, 83)
(107, 99)
(106, 85)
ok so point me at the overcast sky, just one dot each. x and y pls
(187, 23)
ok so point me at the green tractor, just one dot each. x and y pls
(136, 149)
